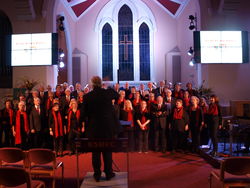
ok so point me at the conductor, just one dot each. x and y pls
(100, 123)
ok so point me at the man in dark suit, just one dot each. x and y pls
(30, 100)
(151, 88)
(169, 100)
(101, 123)
(41, 95)
(78, 88)
(191, 91)
(49, 89)
(117, 87)
(159, 91)
(160, 113)
(64, 102)
(37, 122)
(126, 88)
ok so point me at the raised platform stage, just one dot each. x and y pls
(119, 181)
(223, 153)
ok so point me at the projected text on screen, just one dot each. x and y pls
(221, 46)
(31, 49)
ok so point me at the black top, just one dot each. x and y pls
(74, 123)
(195, 117)
(139, 114)
(5, 118)
(179, 124)
(99, 114)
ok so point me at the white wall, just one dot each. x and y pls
(185, 41)
(230, 82)
(37, 25)
(85, 38)
(43, 74)
(70, 33)
(165, 38)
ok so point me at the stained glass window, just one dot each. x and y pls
(107, 53)
(126, 58)
(144, 52)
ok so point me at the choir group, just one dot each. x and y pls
(160, 118)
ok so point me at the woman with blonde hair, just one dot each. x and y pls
(74, 127)
(196, 122)
(127, 114)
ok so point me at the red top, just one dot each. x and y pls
(130, 117)
(69, 117)
(178, 113)
(213, 110)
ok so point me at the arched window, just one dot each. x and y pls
(144, 52)
(133, 26)
(107, 53)
(125, 35)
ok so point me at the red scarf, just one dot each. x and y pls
(70, 108)
(130, 117)
(186, 102)
(213, 110)
(18, 138)
(58, 124)
(49, 104)
(69, 117)
(178, 113)
(204, 109)
(136, 102)
(80, 99)
(10, 111)
(130, 96)
(150, 101)
(178, 94)
(120, 101)
(144, 119)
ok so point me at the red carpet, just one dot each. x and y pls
(146, 170)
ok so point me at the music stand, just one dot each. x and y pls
(100, 145)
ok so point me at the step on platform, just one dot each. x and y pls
(119, 181)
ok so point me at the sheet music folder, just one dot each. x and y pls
(125, 123)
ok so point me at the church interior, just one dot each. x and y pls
(135, 42)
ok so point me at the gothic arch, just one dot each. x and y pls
(141, 13)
